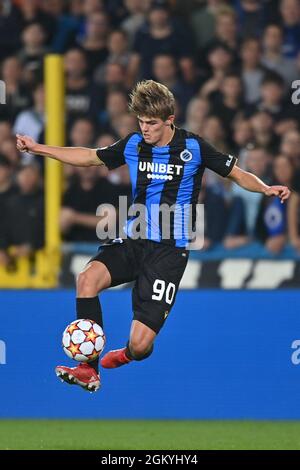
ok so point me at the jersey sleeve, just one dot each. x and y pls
(113, 155)
(216, 161)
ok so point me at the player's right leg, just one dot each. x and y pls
(91, 281)
(114, 264)
(153, 298)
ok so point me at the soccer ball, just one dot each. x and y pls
(83, 340)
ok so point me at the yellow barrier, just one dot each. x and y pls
(43, 270)
(55, 135)
(31, 273)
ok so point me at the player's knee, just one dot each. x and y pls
(140, 349)
(86, 285)
(92, 280)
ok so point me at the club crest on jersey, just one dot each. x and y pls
(186, 155)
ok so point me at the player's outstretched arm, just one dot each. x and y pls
(77, 156)
(252, 183)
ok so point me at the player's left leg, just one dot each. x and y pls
(139, 347)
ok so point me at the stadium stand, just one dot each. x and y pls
(230, 65)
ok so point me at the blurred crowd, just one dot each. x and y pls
(231, 66)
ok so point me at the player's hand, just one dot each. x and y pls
(281, 191)
(25, 143)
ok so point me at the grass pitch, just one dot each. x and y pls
(147, 435)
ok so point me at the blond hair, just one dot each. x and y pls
(152, 99)
(225, 10)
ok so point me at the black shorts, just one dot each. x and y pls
(156, 269)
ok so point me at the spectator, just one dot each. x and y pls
(5, 130)
(285, 125)
(110, 76)
(32, 53)
(215, 134)
(82, 133)
(117, 59)
(26, 211)
(91, 7)
(245, 205)
(17, 94)
(203, 22)
(118, 47)
(94, 42)
(125, 124)
(251, 17)
(165, 72)
(249, 114)
(137, 11)
(81, 10)
(105, 140)
(32, 13)
(120, 176)
(66, 25)
(273, 98)
(159, 35)
(228, 102)
(214, 199)
(273, 57)
(82, 96)
(294, 212)
(10, 25)
(227, 29)
(242, 138)
(116, 11)
(290, 146)
(116, 105)
(31, 121)
(271, 226)
(263, 131)
(9, 150)
(120, 180)
(283, 171)
(220, 61)
(78, 218)
(290, 13)
(7, 190)
(252, 70)
(197, 111)
(77, 8)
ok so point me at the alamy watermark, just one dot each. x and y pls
(295, 357)
(2, 92)
(2, 352)
(296, 94)
(179, 222)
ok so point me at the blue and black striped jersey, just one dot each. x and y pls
(168, 175)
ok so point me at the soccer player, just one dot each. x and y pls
(166, 165)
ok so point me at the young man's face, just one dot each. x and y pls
(154, 129)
